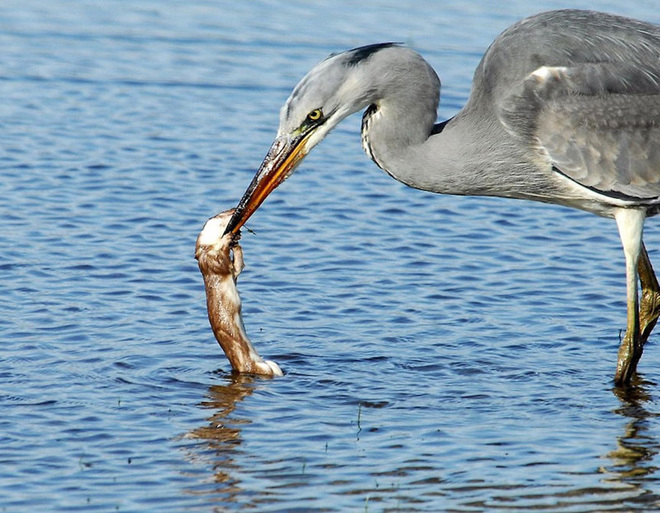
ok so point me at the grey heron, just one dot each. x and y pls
(564, 109)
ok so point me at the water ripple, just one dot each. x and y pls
(440, 353)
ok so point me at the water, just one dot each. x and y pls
(442, 354)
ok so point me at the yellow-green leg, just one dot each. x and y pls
(631, 347)
(639, 327)
(649, 308)
(630, 223)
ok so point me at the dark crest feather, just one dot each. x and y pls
(362, 53)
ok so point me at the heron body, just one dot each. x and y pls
(564, 109)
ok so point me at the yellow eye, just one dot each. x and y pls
(315, 115)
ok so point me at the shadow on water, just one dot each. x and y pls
(633, 462)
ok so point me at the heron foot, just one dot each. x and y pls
(632, 346)
(649, 311)
(630, 351)
(649, 308)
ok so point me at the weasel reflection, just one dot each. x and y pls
(220, 260)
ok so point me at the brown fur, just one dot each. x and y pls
(220, 261)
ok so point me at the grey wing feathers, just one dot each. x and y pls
(599, 124)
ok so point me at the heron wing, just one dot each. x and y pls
(599, 124)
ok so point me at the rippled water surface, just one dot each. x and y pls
(441, 353)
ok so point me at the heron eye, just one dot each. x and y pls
(315, 115)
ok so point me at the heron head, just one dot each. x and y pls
(335, 88)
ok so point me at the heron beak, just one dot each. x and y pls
(282, 158)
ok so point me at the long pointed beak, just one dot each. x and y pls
(282, 158)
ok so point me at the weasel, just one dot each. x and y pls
(220, 259)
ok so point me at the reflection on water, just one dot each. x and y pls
(633, 461)
(625, 487)
(222, 433)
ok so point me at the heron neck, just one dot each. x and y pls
(444, 158)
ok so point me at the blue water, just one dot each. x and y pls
(441, 353)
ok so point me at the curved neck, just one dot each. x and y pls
(445, 158)
(466, 155)
(421, 155)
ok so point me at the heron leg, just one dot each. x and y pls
(649, 308)
(630, 223)
(631, 346)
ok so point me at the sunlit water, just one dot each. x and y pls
(441, 353)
